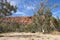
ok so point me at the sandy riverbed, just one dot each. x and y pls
(28, 36)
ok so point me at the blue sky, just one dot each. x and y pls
(28, 7)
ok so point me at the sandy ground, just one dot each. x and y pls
(28, 36)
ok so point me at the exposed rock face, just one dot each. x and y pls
(24, 19)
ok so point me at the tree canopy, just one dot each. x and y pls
(6, 8)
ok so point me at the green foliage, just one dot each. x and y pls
(31, 28)
(42, 18)
(34, 27)
(41, 21)
(6, 9)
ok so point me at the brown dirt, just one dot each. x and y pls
(28, 36)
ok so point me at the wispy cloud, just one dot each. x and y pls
(29, 7)
(13, 2)
(24, 6)
(56, 13)
(18, 13)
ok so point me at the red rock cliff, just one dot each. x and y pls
(24, 19)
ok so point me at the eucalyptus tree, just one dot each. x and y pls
(6, 8)
(42, 17)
